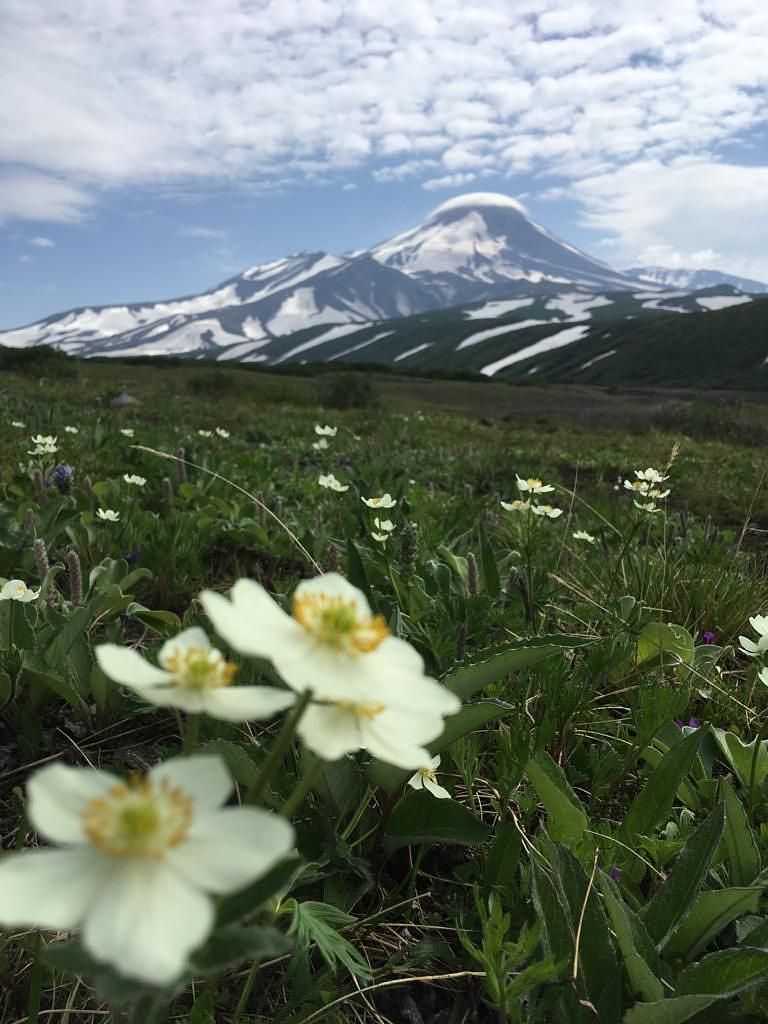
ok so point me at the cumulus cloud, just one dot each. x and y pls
(261, 95)
(41, 242)
(196, 231)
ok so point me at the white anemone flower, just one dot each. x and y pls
(382, 538)
(330, 482)
(44, 439)
(325, 431)
(127, 431)
(321, 445)
(205, 433)
(425, 778)
(221, 432)
(647, 506)
(650, 475)
(108, 515)
(756, 650)
(637, 486)
(330, 644)
(583, 535)
(17, 590)
(546, 510)
(71, 430)
(385, 501)
(139, 860)
(136, 481)
(533, 485)
(193, 676)
(18, 424)
(515, 506)
(384, 525)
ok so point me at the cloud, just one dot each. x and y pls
(38, 197)
(690, 213)
(449, 181)
(42, 243)
(26, 258)
(194, 231)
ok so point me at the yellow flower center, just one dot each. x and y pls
(139, 818)
(533, 481)
(369, 711)
(199, 668)
(337, 623)
(429, 773)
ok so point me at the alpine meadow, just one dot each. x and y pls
(384, 512)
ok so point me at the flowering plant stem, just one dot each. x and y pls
(279, 749)
(301, 788)
(191, 734)
(245, 995)
(35, 982)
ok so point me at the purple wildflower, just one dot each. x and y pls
(614, 874)
(707, 637)
(132, 556)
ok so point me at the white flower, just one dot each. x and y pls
(137, 481)
(647, 506)
(546, 510)
(516, 505)
(18, 424)
(140, 863)
(127, 431)
(533, 485)
(17, 590)
(384, 525)
(583, 535)
(43, 449)
(654, 492)
(108, 515)
(425, 779)
(325, 431)
(205, 433)
(650, 475)
(756, 650)
(330, 643)
(638, 486)
(382, 538)
(221, 432)
(330, 481)
(320, 445)
(44, 439)
(71, 430)
(385, 501)
(194, 677)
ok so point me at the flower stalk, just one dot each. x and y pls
(279, 749)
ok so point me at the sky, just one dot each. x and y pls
(153, 148)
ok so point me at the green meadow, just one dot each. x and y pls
(585, 838)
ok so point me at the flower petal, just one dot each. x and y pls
(329, 731)
(50, 888)
(333, 584)
(436, 790)
(202, 776)
(147, 921)
(228, 849)
(125, 666)
(250, 621)
(57, 796)
(245, 703)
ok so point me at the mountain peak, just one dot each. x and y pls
(471, 200)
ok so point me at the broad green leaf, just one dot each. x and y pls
(654, 802)
(741, 847)
(672, 903)
(503, 856)
(239, 764)
(749, 761)
(725, 973)
(356, 573)
(669, 643)
(567, 819)
(231, 945)
(247, 901)
(420, 818)
(676, 1010)
(642, 980)
(165, 623)
(712, 911)
(491, 665)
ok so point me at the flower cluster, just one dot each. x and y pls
(45, 444)
(647, 486)
(330, 482)
(530, 488)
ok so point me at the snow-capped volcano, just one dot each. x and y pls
(483, 245)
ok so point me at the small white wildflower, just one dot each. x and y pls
(17, 590)
(384, 525)
(515, 506)
(205, 433)
(325, 431)
(425, 778)
(108, 515)
(533, 485)
(71, 430)
(385, 501)
(221, 432)
(756, 650)
(331, 483)
(546, 510)
(137, 481)
(583, 535)
(126, 431)
(18, 424)
(320, 445)
(381, 537)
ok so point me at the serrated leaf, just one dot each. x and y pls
(675, 899)
(567, 819)
(420, 818)
(711, 913)
(725, 973)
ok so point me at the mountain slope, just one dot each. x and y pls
(693, 279)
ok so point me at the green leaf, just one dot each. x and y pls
(741, 847)
(249, 900)
(240, 766)
(315, 922)
(356, 573)
(203, 1010)
(667, 642)
(749, 761)
(675, 899)
(712, 911)
(488, 566)
(503, 856)
(231, 945)
(165, 623)
(567, 819)
(624, 924)
(420, 818)
(491, 665)
(725, 973)
(676, 1010)
(654, 802)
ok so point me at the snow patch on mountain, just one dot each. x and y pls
(564, 337)
(490, 310)
(722, 301)
(494, 332)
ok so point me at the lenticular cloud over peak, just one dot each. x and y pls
(474, 199)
